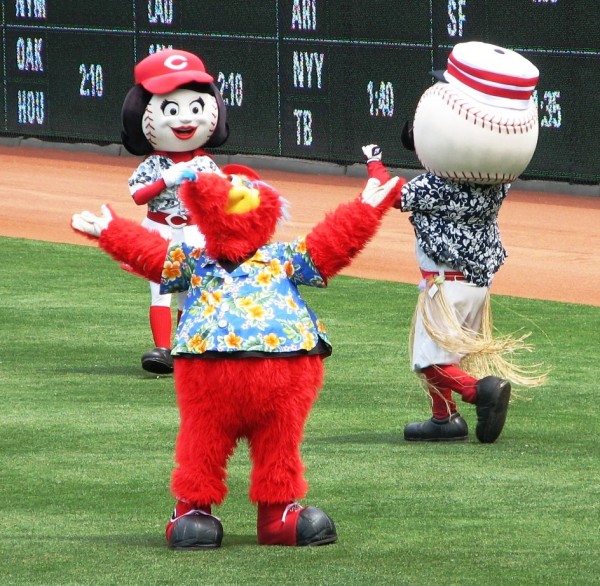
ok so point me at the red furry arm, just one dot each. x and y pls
(128, 242)
(335, 241)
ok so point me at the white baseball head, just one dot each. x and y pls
(480, 124)
(180, 121)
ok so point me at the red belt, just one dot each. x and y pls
(173, 220)
(448, 275)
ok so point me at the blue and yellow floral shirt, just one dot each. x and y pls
(456, 224)
(254, 309)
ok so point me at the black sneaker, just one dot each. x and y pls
(158, 361)
(450, 429)
(493, 395)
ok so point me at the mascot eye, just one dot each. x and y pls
(197, 106)
(238, 181)
(169, 108)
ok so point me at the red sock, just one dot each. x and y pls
(276, 523)
(442, 405)
(448, 377)
(160, 324)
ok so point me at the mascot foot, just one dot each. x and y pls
(493, 394)
(158, 361)
(453, 428)
(294, 524)
(194, 529)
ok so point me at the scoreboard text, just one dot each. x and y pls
(308, 79)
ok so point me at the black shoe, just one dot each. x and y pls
(195, 530)
(450, 429)
(315, 527)
(158, 361)
(493, 394)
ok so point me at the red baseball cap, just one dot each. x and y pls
(166, 70)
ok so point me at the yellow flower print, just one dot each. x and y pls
(291, 303)
(196, 281)
(208, 311)
(233, 341)
(197, 344)
(308, 341)
(177, 255)
(256, 311)
(264, 278)
(217, 296)
(271, 341)
(275, 267)
(321, 327)
(244, 302)
(171, 270)
(301, 246)
(204, 297)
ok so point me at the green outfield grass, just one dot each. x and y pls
(86, 447)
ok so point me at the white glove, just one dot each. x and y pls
(374, 193)
(88, 223)
(372, 152)
(176, 174)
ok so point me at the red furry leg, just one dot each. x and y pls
(203, 442)
(278, 472)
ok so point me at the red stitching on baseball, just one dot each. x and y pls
(456, 102)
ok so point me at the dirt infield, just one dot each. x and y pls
(553, 241)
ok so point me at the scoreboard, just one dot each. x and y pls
(307, 79)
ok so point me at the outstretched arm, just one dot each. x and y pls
(335, 241)
(125, 240)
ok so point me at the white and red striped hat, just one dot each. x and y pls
(491, 74)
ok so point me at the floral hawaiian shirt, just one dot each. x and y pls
(457, 224)
(151, 170)
(255, 308)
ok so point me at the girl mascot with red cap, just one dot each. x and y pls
(248, 355)
(474, 131)
(172, 113)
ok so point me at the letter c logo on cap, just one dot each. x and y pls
(176, 62)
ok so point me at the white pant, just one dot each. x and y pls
(467, 301)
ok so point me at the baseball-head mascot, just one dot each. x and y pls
(169, 116)
(249, 352)
(474, 131)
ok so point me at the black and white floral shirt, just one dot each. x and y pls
(151, 170)
(457, 224)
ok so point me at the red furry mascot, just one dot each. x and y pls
(249, 352)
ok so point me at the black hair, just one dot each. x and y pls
(134, 106)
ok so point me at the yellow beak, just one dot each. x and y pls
(242, 199)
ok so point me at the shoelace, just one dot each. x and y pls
(290, 509)
(193, 512)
